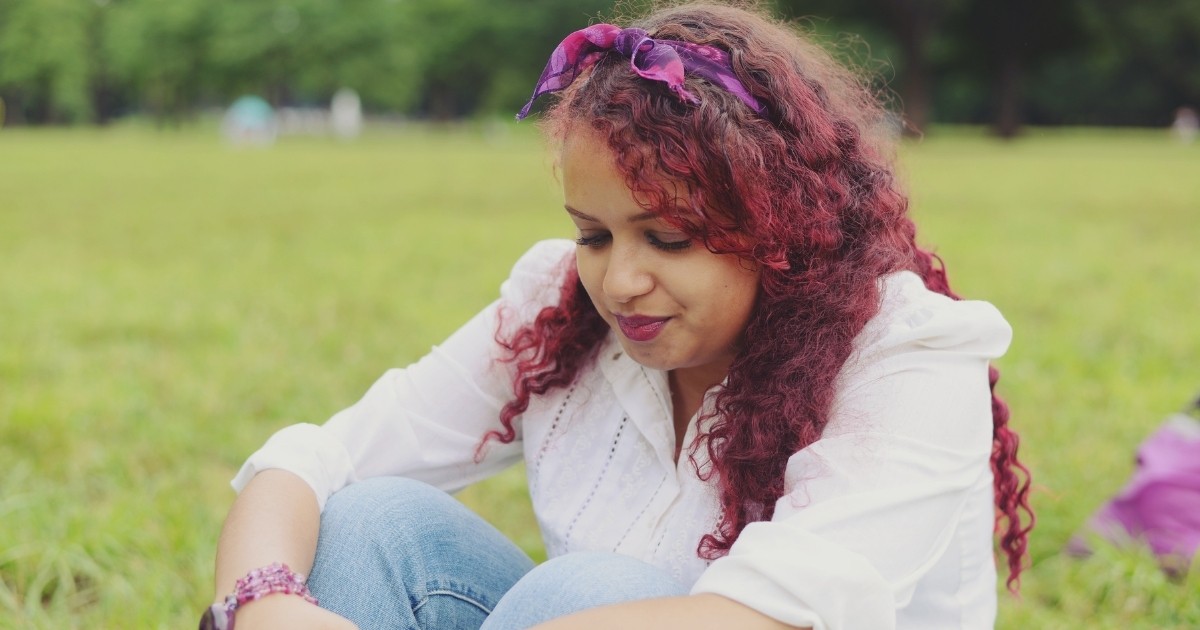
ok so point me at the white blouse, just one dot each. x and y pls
(886, 521)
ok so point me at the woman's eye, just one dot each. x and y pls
(673, 243)
(592, 240)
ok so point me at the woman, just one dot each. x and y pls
(748, 400)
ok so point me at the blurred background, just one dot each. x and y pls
(220, 217)
(1001, 64)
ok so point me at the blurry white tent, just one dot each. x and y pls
(1186, 125)
(345, 114)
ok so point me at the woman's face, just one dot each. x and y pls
(674, 304)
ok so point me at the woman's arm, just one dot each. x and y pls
(693, 612)
(423, 422)
(426, 421)
(274, 519)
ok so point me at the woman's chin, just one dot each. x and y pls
(646, 356)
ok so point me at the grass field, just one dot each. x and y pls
(166, 302)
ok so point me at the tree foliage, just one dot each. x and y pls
(1065, 61)
(48, 58)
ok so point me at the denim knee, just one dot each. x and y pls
(600, 575)
(578, 581)
(398, 553)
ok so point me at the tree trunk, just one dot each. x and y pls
(1007, 123)
(441, 102)
(14, 108)
(1008, 63)
(913, 23)
(918, 104)
(103, 101)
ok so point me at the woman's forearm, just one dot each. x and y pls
(274, 519)
(694, 612)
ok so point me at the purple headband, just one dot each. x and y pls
(663, 60)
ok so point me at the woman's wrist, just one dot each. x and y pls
(275, 578)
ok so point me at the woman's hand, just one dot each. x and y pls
(288, 612)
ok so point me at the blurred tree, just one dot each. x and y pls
(1161, 36)
(915, 24)
(110, 94)
(47, 59)
(1064, 61)
(264, 47)
(1000, 42)
(367, 45)
(992, 44)
(486, 55)
(161, 51)
(913, 28)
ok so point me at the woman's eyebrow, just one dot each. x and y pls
(645, 216)
(575, 213)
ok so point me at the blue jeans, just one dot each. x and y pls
(396, 553)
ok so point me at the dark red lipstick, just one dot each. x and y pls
(640, 327)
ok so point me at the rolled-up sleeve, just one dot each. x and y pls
(875, 504)
(425, 421)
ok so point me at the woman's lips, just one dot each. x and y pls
(640, 327)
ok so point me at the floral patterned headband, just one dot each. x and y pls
(663, 60)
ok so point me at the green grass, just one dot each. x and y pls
(166, 302)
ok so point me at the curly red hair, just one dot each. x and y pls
(806, 192)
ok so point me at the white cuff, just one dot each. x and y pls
(307, 451)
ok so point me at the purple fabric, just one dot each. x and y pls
(1160, 504)
(662, 60)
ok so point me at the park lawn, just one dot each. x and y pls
(166, 302)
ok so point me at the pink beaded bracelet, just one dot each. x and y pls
(258, 583)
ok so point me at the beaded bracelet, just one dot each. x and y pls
(258, 583)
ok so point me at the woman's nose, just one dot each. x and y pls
(626, 276)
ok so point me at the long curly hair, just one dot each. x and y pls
(807, 193)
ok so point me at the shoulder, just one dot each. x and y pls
(918, 374)
(920, 367)
(912, 316)
(544, 258)
(537, 277)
